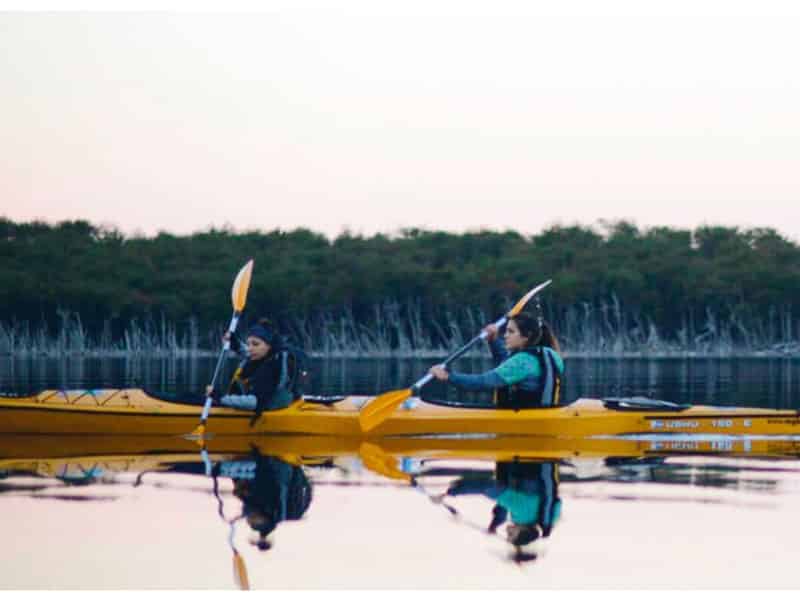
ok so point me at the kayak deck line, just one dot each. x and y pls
(135, 411)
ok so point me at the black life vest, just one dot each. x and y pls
(289, 365)
(548, 394)
(297, 371)
(279, 492)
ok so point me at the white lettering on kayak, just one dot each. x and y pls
(682, 424)
(674, 424)
(722, 445)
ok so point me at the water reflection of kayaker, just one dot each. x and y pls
(269, 377)
(271, 491)
(529, 366)
(525, 495)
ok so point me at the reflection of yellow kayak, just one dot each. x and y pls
(132, 411)
(148, 451)
(75, 466)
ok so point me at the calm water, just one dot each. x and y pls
(143, 513)
(767, 382)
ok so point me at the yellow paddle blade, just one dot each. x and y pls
(374, 413)
(198, 432)
(515, 310)
(376, 460)
(240, 286)
(240, 572)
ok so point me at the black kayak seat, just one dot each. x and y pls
(635, 403)
(474, 403)
(323, 399)
(195, 399)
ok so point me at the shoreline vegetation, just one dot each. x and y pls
(346, 340)
(75, 289)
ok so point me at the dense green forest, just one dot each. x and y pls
(78, 287)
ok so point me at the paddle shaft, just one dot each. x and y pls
(483, 335)
(377, 411)
(458, 353)
(225, 347)
(455, 513)
(239, 568)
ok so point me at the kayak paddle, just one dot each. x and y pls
(239, 568)
(240, 571)
(238, 298)
(375, 459)
(377, 411)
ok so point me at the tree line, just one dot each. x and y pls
(616, 287)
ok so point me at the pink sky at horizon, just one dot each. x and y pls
(371, 121)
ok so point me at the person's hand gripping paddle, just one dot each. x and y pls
(239, 298)
(381, 408)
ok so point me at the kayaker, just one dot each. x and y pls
(525, 494)
(278, 492)
(271, 490)
(270, 375)
(529, 367)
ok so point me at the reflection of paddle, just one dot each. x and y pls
(377, 411)
(375, 459)
(438, 499)
(238, 297)
(239, 568)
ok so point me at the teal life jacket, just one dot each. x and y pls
(540, 482)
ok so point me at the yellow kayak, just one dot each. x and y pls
(50, 455)
(135, 412)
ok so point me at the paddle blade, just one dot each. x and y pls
(240, 572)
(376, 460)
(377, 411)
(240, 287)
(517, 308)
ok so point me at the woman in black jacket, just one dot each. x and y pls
(268, 378)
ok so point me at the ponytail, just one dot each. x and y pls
(536, 330)
(549, 339)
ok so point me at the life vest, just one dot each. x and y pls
(274, 489)
(547, 394)
(291, 366)
(538, 479)
(294, 371)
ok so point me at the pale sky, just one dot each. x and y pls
(373, 116)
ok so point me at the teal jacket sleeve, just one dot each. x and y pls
(476, 383)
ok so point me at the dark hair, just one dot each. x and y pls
(262, 543)
(265, 330)
(262, 523)
(537, 331)
(520, 556)
(525, 535)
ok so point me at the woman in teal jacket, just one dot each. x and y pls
(525, 495)
(529, 367)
